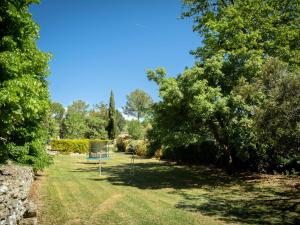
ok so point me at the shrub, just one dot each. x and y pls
(204, 152)
(131, 146)
(67, 145)
(135, 129)
(73, 145)
(122, 143)
(158, 153)
(141, 148)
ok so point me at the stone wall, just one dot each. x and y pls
(15, 207)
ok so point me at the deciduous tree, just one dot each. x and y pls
(75, 121)
(55, 119)
(224, 94)
(24, 98)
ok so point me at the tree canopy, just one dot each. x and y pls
(138, 103)
(231, 95)
(57, 110)
(24, 97)
(27, 120)
(75, 121)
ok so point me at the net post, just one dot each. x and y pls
(100, 169)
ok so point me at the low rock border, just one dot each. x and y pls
(15, 207)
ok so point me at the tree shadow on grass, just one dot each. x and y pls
(210, 191)
(85, 169)
(157, 175)
(255, 206)
(88, 162)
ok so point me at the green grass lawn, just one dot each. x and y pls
(73, 192)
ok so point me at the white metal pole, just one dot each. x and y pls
(100, 164)
(107, 153)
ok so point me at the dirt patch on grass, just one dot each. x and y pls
(35, 193)
(272, 181)
(281, 181)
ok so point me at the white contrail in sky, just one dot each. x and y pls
(141, 26)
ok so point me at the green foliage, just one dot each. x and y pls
(204, 152)
(24, 98)
(75, 121)
(55, 119)
(244, 33)
(30, 153)
(120, 121)
(141, 148)
(233, 95)
(112, 124)
(53, 127)
(277, 119)
(81, 122)
(122, 143)
(158, 154)
(102, 110)
(68, 146)
(73, 145)
(138, 104)
(57, 111)
(95, 126)
(135, 129)
(138, 147)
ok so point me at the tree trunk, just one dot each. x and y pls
(224, 146)
(138, 116)
(228, 155)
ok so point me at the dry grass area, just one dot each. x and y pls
(71, 191)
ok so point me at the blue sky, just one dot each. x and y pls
(103, 45)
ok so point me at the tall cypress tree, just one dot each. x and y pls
(111, 127)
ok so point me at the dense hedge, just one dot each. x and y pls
(73, 145)
(205, 152)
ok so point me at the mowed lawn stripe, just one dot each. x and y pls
(73, 192)
(53, 205)
(99, 197)
(91, 197)
(76, 194)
